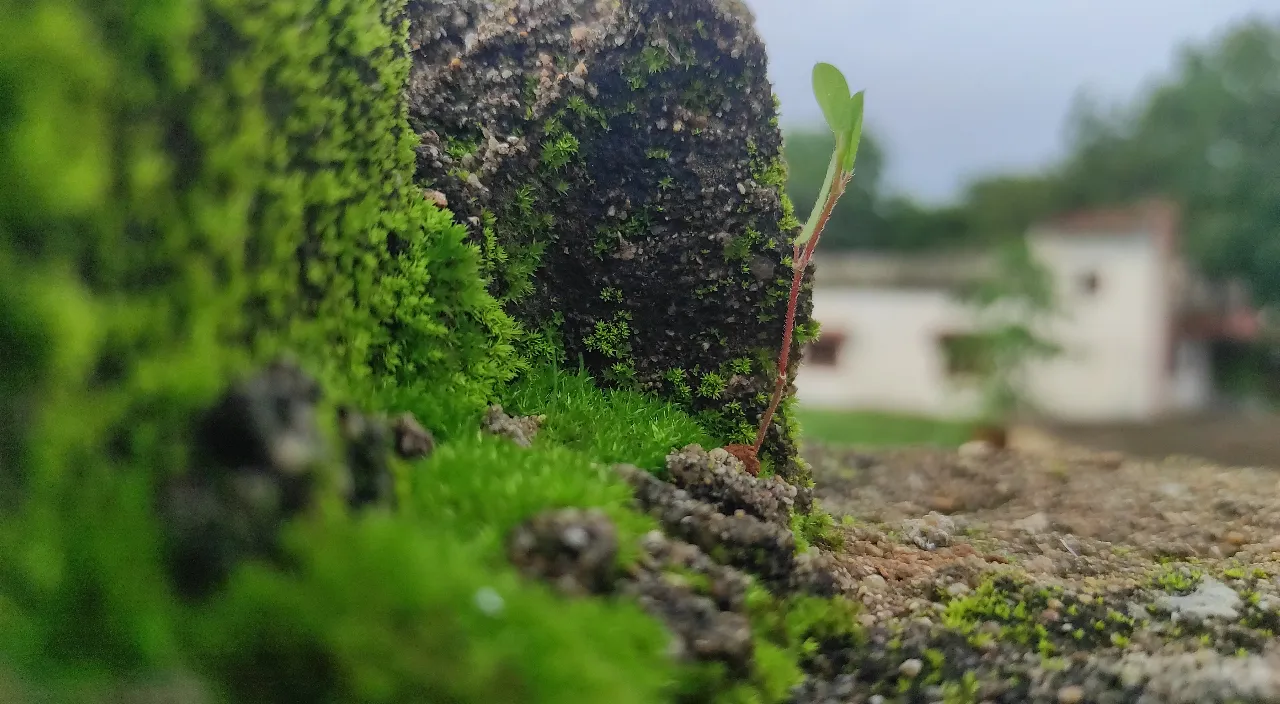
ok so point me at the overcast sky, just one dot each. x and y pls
(956, 89)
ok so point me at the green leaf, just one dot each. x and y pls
(853, 131)
(832, 92)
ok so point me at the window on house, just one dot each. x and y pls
(1088, 283)
(825, 351)
(963, 354)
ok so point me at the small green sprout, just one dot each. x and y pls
(843, 113)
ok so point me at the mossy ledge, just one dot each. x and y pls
(244, 393)
(619, 164)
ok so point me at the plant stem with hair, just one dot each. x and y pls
(800, 263)
(843, 113)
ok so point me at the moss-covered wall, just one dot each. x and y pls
(619, 164)
(187, 188)
(181, 178)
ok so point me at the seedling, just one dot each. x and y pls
(843, 113)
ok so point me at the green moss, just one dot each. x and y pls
(807, 331)
(196, 189)
(739, 248)
(679, 383)
(636, 80)
(611, 338)
(789, 221)
(460, 505)
(800, 628)
(966, 691)
(707, 289)
(366, 616)
(711, 386)
(621, 375)
(513, 250)
(816, 528)
(508, 268)
(458, 147)
(610, 426)
(543, 347)
(585, 112)
(558, 147)
(1015, 606)
(487, 485)
(1000, 600)
(773, 173)
(1176, 579)
(787, 634)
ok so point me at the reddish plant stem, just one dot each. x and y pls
(800, 262)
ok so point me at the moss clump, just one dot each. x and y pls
(611, 426)
(794, 637)
(1020, 610)
(814, 631)
(611, 338)
(1176, 579)
(815, 528)
(672, 185)
(388, 610)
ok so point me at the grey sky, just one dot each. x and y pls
(956, 89)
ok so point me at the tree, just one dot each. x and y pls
(908, 226)
(1011, 304)
(999, 209)
(1208, 136)
(868, 217)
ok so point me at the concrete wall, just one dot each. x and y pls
(890, 360)
(1119, 363)
(1116, 362)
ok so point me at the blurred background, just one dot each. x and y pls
(1065, 221)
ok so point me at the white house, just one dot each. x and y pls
(1135, 330)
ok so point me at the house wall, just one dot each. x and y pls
(1117, 359)
(890, 360)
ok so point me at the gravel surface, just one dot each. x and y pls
(1055, 575)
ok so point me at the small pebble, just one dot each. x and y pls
(910, 668)
(874, 581)
(976, 449)
(1073, 694)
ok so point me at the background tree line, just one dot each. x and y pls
(1207, 135)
